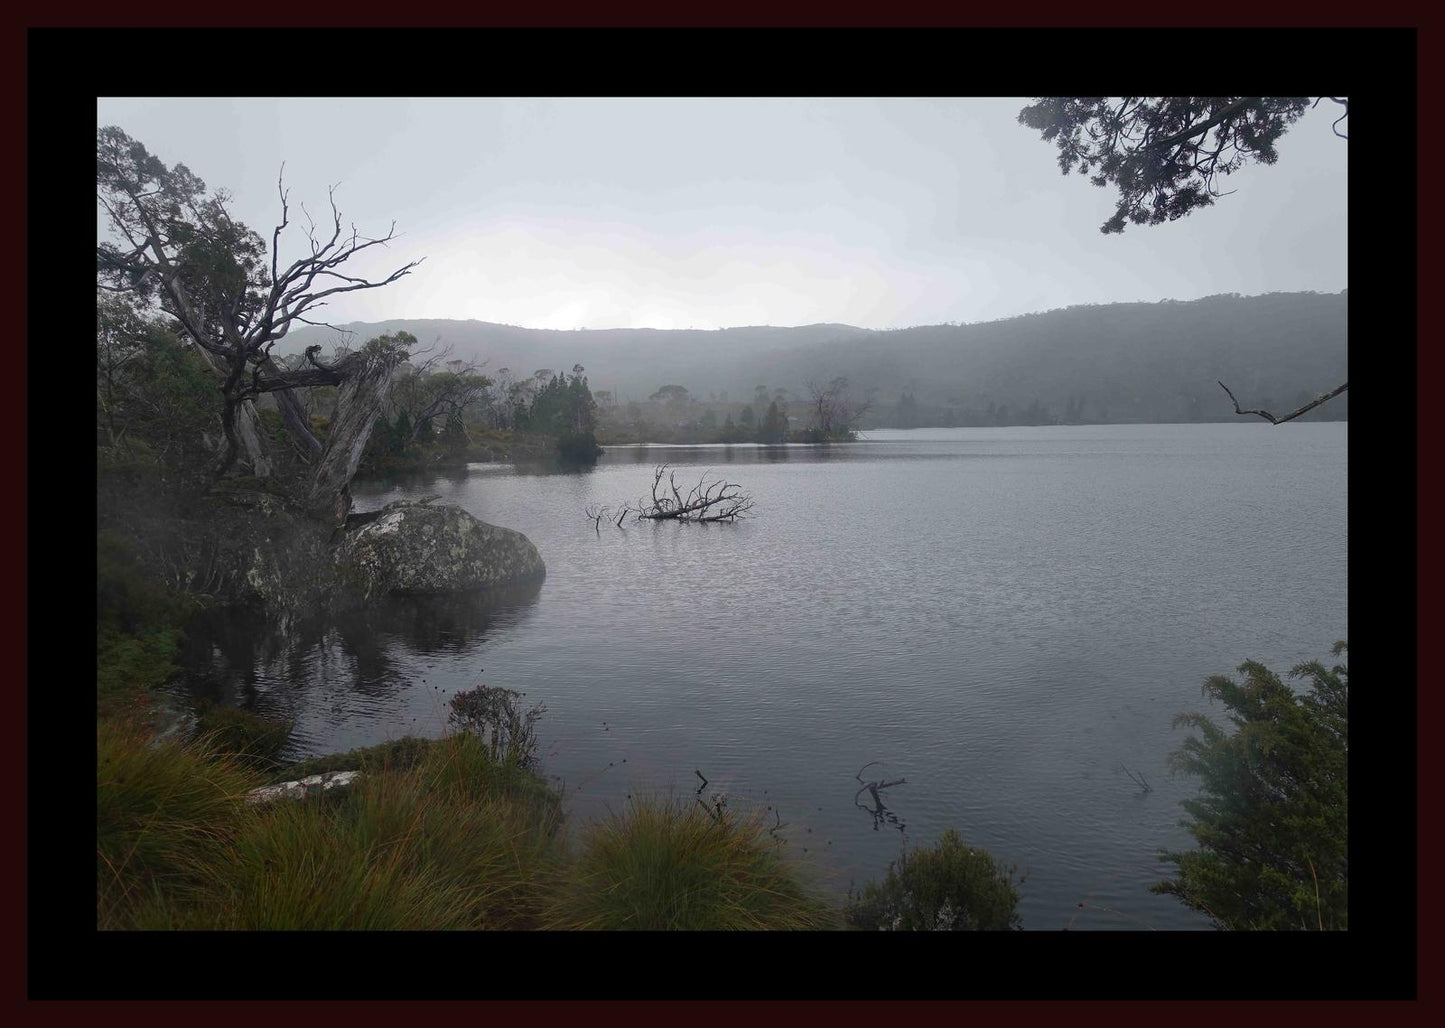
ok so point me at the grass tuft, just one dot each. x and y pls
(664, 866)
(164, 814)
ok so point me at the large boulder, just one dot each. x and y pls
(252, 548)
(418, 549)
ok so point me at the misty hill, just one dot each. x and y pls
(1110, 362)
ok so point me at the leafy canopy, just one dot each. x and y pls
(1164, 153)
(1272, 815)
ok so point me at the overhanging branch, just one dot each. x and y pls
(1292, 414)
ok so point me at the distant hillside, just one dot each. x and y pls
(1112, 362)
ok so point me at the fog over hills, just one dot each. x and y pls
(1113, 362)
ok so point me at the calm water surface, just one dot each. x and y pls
(1002, 617)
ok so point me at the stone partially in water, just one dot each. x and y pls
(419, 549)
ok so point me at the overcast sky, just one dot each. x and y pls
(708, 213)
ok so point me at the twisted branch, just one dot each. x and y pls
(1292, 414)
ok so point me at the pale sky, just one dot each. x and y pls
(710, 213)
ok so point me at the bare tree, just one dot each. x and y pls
(708, 501)
(183, 250)
(437, 388)
(835, 413)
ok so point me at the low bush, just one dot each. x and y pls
(1271, 819)
(948, 887)
(495, 717)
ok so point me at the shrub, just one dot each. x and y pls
(1272, 816)
(493, 716)
(950, 887)
(137, 633)
(578, 448)
(659, 866)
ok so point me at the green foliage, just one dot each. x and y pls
(563, 406)
(127, 665)
(1135, 143)
(578, 448)
(454, 436)
(949, 887)
(1272, 814)
(156, 396)
(137, 625)
(658, 866)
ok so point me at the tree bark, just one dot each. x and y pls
(248, 433)
(364, 391)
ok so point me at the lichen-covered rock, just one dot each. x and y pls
(419, 549)
(312, 785)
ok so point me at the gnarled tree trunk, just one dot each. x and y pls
(366, 383)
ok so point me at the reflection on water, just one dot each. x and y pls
(350, 679)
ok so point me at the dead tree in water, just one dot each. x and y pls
(718, 500)
(708, 501)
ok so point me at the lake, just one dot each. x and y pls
(1004, 618)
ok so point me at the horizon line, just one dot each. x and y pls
(844, 324)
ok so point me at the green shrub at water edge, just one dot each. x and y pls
(661, 866)
(949, 887)
(1272, 816)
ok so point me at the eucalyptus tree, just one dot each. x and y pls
(176, 246)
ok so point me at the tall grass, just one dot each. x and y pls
(453, 839)
(457, 841)
(448, 835)
(661, 865)
(164, 816)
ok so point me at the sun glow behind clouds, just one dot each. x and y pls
(717, 212)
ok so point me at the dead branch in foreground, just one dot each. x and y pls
(1292, 414)
(709, 501)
